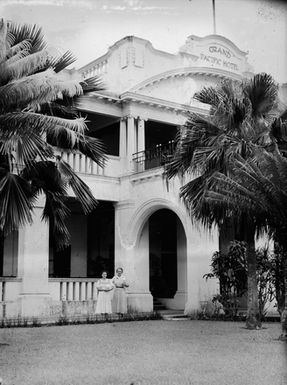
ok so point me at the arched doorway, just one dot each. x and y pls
(167, 259)
(163, 254)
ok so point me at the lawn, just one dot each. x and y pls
(144, 353)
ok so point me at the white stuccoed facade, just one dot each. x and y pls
(142, 85)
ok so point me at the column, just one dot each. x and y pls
(10, 254)
(33, 267)
(200, 247)
(181, 294)
(123, 137)
(131, 140)
(141, 135)
(77, 225)
(133, 256)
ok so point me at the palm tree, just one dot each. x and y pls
(259, 186)
(239, 122)
(37, 119)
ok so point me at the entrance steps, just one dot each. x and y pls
(157, 305)
(173, 315)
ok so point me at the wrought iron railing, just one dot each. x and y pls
(153, 157)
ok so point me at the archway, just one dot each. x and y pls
(167, 259)
(163, 254)
(135, 247)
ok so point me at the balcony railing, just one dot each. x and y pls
(154, 157)
(73, 289)
(81, 163)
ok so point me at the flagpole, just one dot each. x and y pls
(213, 12)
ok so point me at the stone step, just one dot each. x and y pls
(159, 308)
(173, 315)
(157, 305)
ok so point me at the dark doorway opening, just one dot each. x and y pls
(107, 129)
(163, 253)
(101, 245)
(157, 133)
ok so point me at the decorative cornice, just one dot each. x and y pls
(184, 72)
(161, 103)
(124, 205)
(100, 96)
(134, 97)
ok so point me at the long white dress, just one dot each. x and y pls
(104, 299)
(119, 302)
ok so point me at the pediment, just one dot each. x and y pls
(178, 86)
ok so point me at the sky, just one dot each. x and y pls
(89, 27)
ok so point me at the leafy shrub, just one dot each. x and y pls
(231, 270)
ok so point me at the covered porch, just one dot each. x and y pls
(39, 280)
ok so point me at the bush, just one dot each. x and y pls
(231, 270)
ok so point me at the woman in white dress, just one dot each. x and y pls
(104, 299)
(119, 302)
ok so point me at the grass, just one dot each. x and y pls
(77, 320)
(144, 353)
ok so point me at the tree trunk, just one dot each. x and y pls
(243, 229)
(281, 239)
(253, 319)
(284, 313)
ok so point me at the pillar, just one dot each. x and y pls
(141, 135)
(200, 247)
(133, 256)
(77, 225)
(33, 265)
(123, 137)
(131, 141)
(181, 294)
(10, 254)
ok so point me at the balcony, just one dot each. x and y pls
(154, 157)
(82, 164)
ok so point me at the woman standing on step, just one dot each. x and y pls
(104, 299)
(119, 303)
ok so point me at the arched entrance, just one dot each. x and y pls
(167, 259)
(163, 254)
(158, 226)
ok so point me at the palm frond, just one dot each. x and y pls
(36, 96)
(94, 149)
(36, 89)
(19, 50)
(197, 131)
(16, 201)
(262, 91)
(56, 211)
(32, 33)
(23, 67)
(40, 123)
(60, 63)
(80, 189)
(94, 83)
(17, 56)
(259, 188)
(208, 95)
(44, 177)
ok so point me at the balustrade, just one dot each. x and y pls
(154, 157)
(69, 289)
(81, 163)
